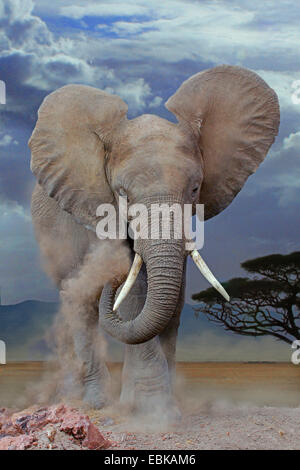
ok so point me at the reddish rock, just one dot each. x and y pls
(75, 424)
(80, 427)
(94, 439)
(4, 416)
(37, 417)
(46, 427)
(6, 426)
(21, 442)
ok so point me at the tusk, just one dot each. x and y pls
(204, 269)
(133, 274)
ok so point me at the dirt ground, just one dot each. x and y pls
(218, 427)
(223, 405)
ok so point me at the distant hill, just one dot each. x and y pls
(23, 327)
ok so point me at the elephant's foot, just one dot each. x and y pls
(127, 397)
(94, 396)
(157, 411)
(156, 404)
(97, 393)
(151, 400)
(146, 385)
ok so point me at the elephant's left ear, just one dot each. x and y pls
(70, 144)
(235, 116)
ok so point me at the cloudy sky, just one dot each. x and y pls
(143, 51)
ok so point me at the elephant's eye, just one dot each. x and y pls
(195, 190)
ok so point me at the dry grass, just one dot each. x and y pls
(272, 384)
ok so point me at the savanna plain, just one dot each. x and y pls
(223, 406)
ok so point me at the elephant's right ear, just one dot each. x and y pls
(234, 116)
(75, 127)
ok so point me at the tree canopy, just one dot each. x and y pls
(267, 303)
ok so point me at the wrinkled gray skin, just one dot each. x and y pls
(85, 152)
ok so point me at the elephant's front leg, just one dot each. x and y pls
(168, 338)
(83, 324)
(146, 384)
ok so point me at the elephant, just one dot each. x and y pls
(86, 152)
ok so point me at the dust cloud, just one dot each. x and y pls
(78, 314)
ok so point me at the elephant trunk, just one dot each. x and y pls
(164, 261)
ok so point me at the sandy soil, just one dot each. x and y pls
(221, 427)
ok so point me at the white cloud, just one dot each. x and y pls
(282, 83)
(173, 30)
(46, 61)
(126, 27)
(156, 102)
(282, 172)
(221, 30)
(6, 140)
(135, 93)
(11, 209)
(17, 10)
(292, 141)
(104, 9)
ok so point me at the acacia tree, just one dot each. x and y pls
(266, 303)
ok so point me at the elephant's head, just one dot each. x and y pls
(85, 152)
